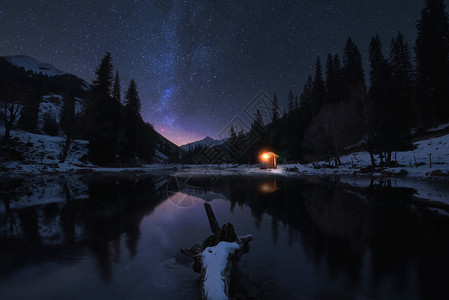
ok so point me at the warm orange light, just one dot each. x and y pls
(268, 187)
(268, 160)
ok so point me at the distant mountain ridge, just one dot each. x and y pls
(31, 64)
(42, 78)
(207, 141)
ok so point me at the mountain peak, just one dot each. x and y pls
(207, 141)
(31, 64)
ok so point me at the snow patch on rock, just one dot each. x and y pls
(215, 262)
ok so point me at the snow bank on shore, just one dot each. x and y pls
(41, 155)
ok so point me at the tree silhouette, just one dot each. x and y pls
(101, 128)
(116, 89)
(318, 89)
(275, 110)
(432, 59)
(132, 120)
(291, 106)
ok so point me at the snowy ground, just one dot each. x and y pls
(41, 154)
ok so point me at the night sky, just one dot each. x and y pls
(197, 64)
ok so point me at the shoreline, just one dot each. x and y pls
(283, 170)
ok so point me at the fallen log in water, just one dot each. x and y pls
(214, 257)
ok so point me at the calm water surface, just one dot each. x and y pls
(314, 238)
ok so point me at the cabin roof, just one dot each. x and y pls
(271, 154)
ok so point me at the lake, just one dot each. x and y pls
(119, 237)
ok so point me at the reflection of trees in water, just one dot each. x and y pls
(115, 210)
(343, 227)
(408, 233)
(61, 230)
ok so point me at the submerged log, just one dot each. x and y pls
(213, 259)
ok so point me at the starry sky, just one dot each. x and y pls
(198, 64)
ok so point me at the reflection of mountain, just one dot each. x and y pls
(62, 228)
(352, 230)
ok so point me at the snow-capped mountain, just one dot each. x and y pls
(207, 141)
(32, 64)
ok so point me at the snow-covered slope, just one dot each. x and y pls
(41, 152)
(160, 157)
(52, 105)
(207, 141)
(31, 64)
(429, 155)
(164, 148)
(439, 127)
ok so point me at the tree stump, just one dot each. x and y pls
(213, 259)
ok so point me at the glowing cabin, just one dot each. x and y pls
(268, 160)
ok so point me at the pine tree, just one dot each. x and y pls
(389, 114)
(432, 58)
(330, 76)
(116, 107)
(259, 119)
(337, 66)
(353, 80)
(380, 71)
(352, 64)
(116, 89)
(240, 145)
(232, 133)
(290, 102)
(318, 89)
(401, 93)
(338, 77)
(132, 100)
(275, 110)
(303, 115)
(233, 139)
(305, 100)
(332, 79)
(379, 114)
(353, 94)
(257, 126)
(402, 77)
(102, 135)
(400, 62)
(103, 83)
(132, 121)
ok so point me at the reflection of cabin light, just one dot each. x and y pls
(268, 187)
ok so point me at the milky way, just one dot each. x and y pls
(198, 64)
